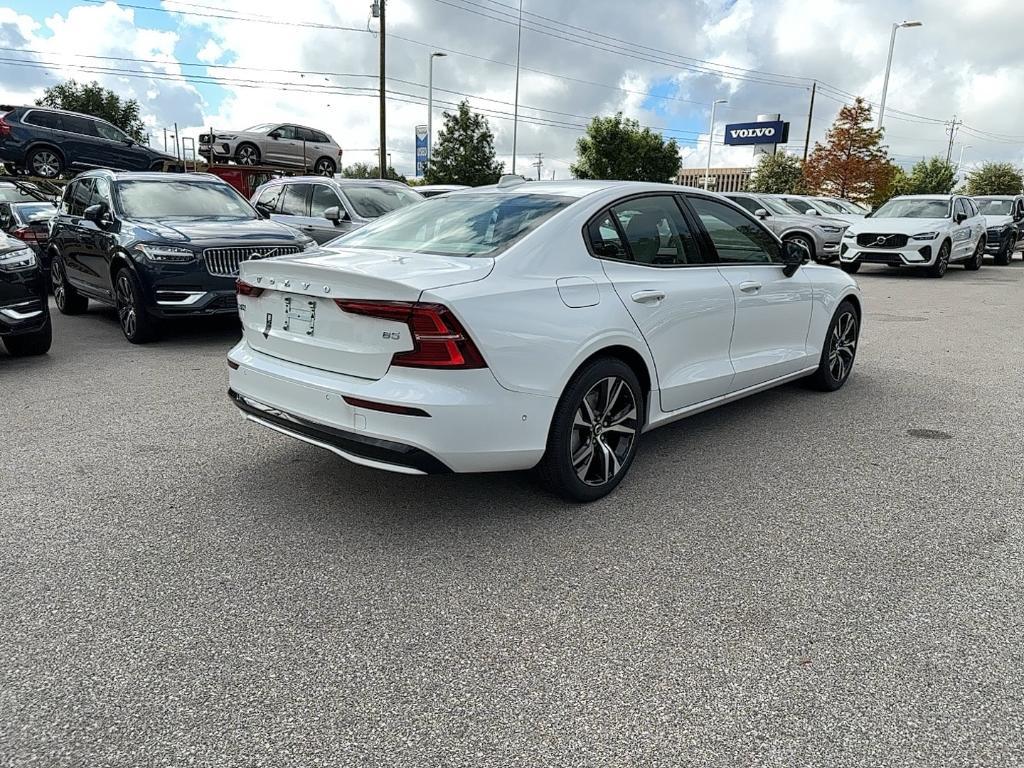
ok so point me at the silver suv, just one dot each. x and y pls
(295, 146)
(326, 208)
(821, 236)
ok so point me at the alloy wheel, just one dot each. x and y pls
(125, 299)
(323, 168)
(843, 346)
(943, 260)
(603, 431)
(59, 291)
(46, 164)
(247, 156)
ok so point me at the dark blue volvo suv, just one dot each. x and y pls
(47, 142)
(157, 246)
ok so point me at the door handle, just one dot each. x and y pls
(648, 297)
(750, 286)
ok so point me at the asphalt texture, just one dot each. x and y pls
(798, 579)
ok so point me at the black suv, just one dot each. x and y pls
(24, 314)
(47, 142)
(157, 246)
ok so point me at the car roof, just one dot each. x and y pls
(574, 188)
(34, 107)
(926, 197)
(341, 181)
(150, 175)
(995, 197)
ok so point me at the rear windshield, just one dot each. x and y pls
(11, 193)
(151, 199)
(459, 224)
(995, 207)
(28, 212)
(913, 209)
(373, 201)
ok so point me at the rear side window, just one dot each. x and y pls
(605, 240)
(736, 237)
(80, 125)
(320, 138)
(293, 202)
(43, 119)
(656, 231)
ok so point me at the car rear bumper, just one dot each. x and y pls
(472, 424)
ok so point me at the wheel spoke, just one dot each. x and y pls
(611, 461)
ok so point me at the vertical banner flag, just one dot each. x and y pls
(421, 148)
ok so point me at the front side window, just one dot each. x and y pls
(269, 198)
(466, 225)
(79, 196)
(285, 132)
(801, 206)
(293, 201)
(736, 237)
(960, 208)
(656, 231)
(107, 131)
(101, 192)
(323, 198)
(777, 207)
(908, 208)
(371, 202)
(191, 199)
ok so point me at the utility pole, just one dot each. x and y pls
(810, 117)
(515, 114)
(377, 9)
(951, 130)
(539, 163)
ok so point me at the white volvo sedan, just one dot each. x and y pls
(543, 325)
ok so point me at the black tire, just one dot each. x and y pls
(938, 269)
(136, 323)
(807, 243)
(851, 268)
(68, 300)
(974, 263)
(35, 343)
(44, 162)
(325, 167)
(839, 350)
(247, 154)
(584, 418)
(1005, 252)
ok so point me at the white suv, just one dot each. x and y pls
(918, 231)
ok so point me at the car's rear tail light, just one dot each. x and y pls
(242, 288)
(439, 340)
(5, 128)
(27, 234)
(371, 405)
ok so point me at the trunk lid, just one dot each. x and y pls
(295, 317)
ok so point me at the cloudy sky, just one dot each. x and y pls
(233, 63)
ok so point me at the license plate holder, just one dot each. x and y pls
(299, 316)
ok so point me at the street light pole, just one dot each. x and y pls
(515, 115)
(378, 9)
(711, 140)
(888, 66)
(430, 102)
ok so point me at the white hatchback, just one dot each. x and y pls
(540, 325)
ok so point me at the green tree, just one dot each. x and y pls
(618, 148)
(367, 171)
(852, 163)
(995, 179)
(464, 151)
(931, 177)
(93, 99)
(778, 174)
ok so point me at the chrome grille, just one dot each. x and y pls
(224, 262)
(867, 240)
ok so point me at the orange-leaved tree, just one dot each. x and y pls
(852, 163)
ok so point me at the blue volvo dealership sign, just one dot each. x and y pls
(739, 134)
(421, 149)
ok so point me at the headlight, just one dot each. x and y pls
(17, 260)
(829, 229)
(165, 253)
(926, 236)
(307, 244)
(848, 235)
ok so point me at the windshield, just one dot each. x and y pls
(847, 207)
(10, 193)
(152, 199)
(458, 225)
(913, 209)
(35, 211)
(995, 207)
(831, 206)
(261, 128)
(777, 206)
(373, 201)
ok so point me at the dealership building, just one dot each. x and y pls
(722, 179)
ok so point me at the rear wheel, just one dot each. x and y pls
(839, 350)
(68, 300)
(35, 343)
(594, 432)
(44, 162)
(136, 324)
(977, 259)
(938, 269)
(247, 154)
(324, 167)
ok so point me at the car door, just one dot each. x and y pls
(773, 311)
(1018, 217)
(286, 149)
(963, 243)
(679, 300)
(320, 227)
(121, 152)
(293, 205)
(73, 238)
(96, 243)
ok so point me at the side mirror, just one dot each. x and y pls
(960, 218)
(793, 255)
(813, 212)
(274, 135)
(262, 210)
(98, 215)
(762, 213)
(333, 214)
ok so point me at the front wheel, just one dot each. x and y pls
(136, 324)
(938, 269)
(324, 167)
(247, 154)
(34, 343)
(974, 263)
(1005, 253)
(839, 350)
(594, 432)
(68, 300)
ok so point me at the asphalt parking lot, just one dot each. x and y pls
(794, 580)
